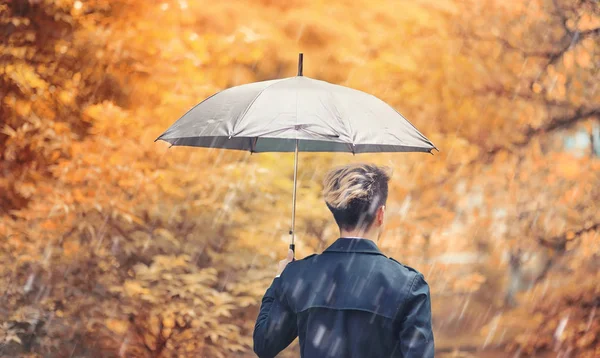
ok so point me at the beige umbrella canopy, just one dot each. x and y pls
(296, 114)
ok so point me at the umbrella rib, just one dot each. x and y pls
(415, 128)
(351, 146)
(241, 118)
(340, 119)
(320, 134)
(276, 131)
(331, 112)
(189, 110)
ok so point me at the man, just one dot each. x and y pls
(351, 300)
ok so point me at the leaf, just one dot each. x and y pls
(169, 321)
(9, 131)
(13, 338)
(167, 235)
(133, 288)
(117, 326)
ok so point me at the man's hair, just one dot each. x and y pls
(354, 192)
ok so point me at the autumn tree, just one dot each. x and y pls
(102, 240)
(547, 90)
(112, 244)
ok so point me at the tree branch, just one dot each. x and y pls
(559, 243)
(555, 123)
(576, 38)
(508, 45)
(590, 33)
(565, 121)
(499, 91)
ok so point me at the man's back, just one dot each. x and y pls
(350, 301)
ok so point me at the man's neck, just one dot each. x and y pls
(356, 234)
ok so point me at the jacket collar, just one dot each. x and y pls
(354, 245)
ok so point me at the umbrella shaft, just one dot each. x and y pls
(292, 231)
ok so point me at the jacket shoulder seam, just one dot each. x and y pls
(307, 257)
(406, 266)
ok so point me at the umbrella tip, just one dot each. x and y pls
(300, 63)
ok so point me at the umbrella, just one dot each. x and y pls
(296, 114)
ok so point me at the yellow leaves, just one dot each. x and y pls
(167, 235)
(18, 52)
(79, 196)
(223, 310)
(154, 324)
(25, 77)
(9, 131)
(458, 151)
(207, 276)
(568, 167)
(236, 347)
(49, 225)
(171, 262)
(172, 190)
(23, 108)
(9, 333)
(61, 47)
(588, 21)
(410, 88)
(117, 326)
(131, 218)
(169, 321)
(150, 341)
(572, 195)
(66, 97)
(246, 301)
(181, 321)
(590, 245)
(469, 283)
(214, 337)
(134, 288)
(108, 119)
(71, 248)
(55, 155)
(568, 60)
(12, 338)
(587, 339)
(583, 57)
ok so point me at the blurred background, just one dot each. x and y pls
(113, 245)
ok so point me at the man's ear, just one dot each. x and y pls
(381, 215)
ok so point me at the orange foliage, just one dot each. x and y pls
(114, 245)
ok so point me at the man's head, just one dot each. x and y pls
(356, 195)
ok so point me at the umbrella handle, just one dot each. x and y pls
(293, 229)
(292, 245)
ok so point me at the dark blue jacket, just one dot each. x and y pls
(349, 301)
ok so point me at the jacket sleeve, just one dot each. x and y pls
(276, 325)
(416, 335)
